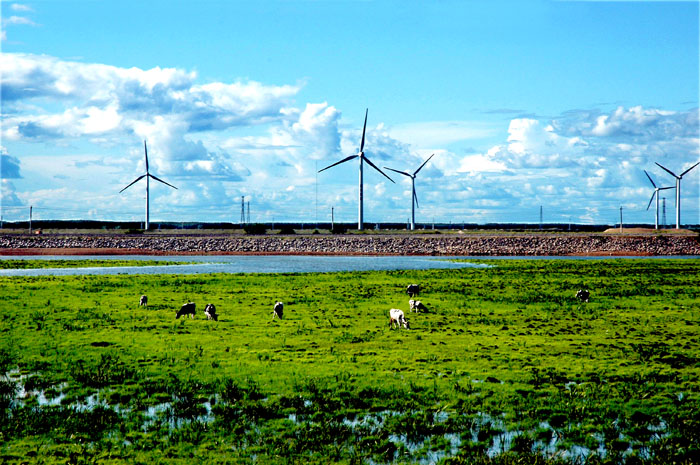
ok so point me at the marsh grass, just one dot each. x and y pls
(506, 367)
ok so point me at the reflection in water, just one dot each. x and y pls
(243, 264)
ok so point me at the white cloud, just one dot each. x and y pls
(21, 20)
(432, 134)
(21, 7)
(219, 140)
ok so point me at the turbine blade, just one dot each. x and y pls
(339, 162)
(415, 197)
(668, 170)
(664, 188)
(158, 179)
(145, 151)
(421, 166)
(684, 172)
(650, 180)
(375, 167)
(651, 200)
(362, 144)
(133, 182)
(397, 171)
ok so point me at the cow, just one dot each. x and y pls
(278, 310)
(417, 305)
(210, 312)
(143, 301)
(413, 290)
(396, 317)
(583, 295)
(186, 309)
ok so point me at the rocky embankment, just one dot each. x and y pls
(474, 245)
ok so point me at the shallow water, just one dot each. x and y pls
(275, 263)
(241, 264)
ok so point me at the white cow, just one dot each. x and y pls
(278, 310)
(397, 317)
(417, 305)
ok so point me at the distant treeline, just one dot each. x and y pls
(133, 226)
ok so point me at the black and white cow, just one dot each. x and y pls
(210, 312)
(278, 310)
(186, 309)
(413, 290)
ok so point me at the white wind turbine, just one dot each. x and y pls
(655, 194)
(678, 190)
(148, 185)
(361, 155)
(414, 197)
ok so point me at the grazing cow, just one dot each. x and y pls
(397, 317)
(412, 290)
(278, 310)
(143, 301)
(417, 305)
(210, 312)
(186, 309)
(583, 295)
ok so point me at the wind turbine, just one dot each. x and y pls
(148, 184)
(656, 193)
(363, 158)
(678, 190)
(414, 197)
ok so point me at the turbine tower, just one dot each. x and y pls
(363, 158)
(656, 193)
(414, 197)
(678, 190)
(148, 185)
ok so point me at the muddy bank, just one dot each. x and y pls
(474, 245)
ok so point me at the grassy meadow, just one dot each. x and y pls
(505, 367)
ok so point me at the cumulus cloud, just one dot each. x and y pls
(8, 194)
(9, 166)
(106, 94)
(217, 141)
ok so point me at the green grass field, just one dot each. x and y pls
(507, 366)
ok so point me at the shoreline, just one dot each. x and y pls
(348, 245)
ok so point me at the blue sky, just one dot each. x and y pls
(525, 103)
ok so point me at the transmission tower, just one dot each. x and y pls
(242, 210)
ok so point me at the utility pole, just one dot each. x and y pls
(242, 210)
(620, 218)
(30, 219)
(332, 218)
(540, 216)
